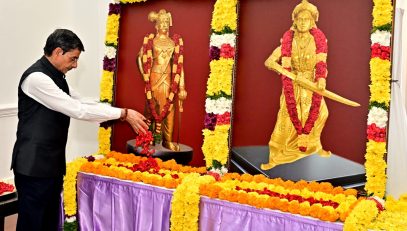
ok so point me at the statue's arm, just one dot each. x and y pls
(272, 62)
(182, 91)
(140, 63)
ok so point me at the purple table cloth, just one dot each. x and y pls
(111, 204)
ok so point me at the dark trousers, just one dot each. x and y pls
(39, 201)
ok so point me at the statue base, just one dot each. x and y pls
(183, 156)
(334, 169)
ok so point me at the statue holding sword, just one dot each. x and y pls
(301, 62)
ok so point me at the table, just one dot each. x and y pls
(8, 207)
(111, 204)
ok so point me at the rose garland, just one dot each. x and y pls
(218, 104)
(380, 73)
(177, 67)
(288, 88)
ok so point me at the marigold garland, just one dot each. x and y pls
(361, 216)
(219, 85)
(380, 75)
(255, 192)
(185, 202)
(69, 186)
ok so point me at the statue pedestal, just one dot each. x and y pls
(334, 169)
(183, 156)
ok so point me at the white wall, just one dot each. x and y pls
(25, 25)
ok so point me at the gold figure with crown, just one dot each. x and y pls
(160, 62)
(301, 58)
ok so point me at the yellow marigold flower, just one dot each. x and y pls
(112, 29)
(106, 86)
(220, 78)
(224, 14)
(382, 12)
(104, 140)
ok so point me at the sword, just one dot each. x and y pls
(305, 83)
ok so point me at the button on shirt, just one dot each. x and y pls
(41, 88)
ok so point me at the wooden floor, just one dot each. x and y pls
(10, 223)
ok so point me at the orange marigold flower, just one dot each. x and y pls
(246, 177)
(350, 192)
(242, 197)
(259, 178)
(294, 207)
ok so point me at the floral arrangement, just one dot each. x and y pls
(380, 73)
(69, 193)
(218, 104)
(319, 200)
(288, 88)
(393, 218)
(109, 67)
(185, 202)
(4, 187)
(366, 213)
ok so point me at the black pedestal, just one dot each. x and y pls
(183, 156)
(334, 169)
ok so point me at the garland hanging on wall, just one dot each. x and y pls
(380, 69)
(218, 104)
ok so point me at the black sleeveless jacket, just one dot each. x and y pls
(41, 133)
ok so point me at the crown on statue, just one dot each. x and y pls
(305, 5)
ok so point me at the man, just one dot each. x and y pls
(45, 105)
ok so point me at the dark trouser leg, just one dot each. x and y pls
(38, 202)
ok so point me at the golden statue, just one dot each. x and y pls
(301, 61)
(160, 62)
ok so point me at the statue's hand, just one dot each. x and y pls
(182, 94)
(321, 84)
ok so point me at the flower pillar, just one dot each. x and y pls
(380, 75)
(218, 104)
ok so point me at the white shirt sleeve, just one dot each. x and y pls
(42, 89)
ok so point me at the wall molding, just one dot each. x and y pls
(8, 110)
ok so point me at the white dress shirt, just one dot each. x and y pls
(42, 89)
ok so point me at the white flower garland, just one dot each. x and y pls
(381, 37)
(218, 40)
(218, 106)
(110, 52)
(378, 116)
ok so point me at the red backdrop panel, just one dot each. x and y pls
(347, 25)
(191, 19)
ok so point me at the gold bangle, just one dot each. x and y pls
(124, 117)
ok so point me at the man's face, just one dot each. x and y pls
(68, 60)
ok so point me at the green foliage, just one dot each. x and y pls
(377, 104)
(217, 96)
(216, 164)
(71, 226)
(386, 27)
(225, 30)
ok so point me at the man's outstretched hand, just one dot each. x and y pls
(136, 121)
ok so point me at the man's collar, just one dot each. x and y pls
(51, 68)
